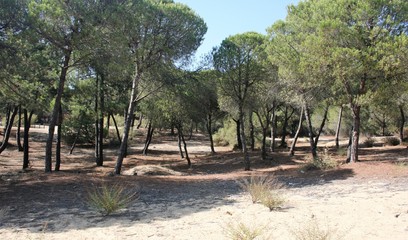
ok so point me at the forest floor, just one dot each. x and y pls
(364, 200)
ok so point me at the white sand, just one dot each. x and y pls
(376, 209)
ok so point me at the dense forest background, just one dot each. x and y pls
(82, 67)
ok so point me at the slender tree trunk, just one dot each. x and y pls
(140, 121)
(54, 116)
(18, 132)
(100, 121)
(209, 131)
(179, 133)
(185, 148)
(285, 125)
(238, 130)
(356, 133)
(316, 140)
(8, 114)
(251, 131)
(338, 127)
(128, 123)
(7, 132)
(273, 129)
(75, 141)
(402, 114)
(58, 145)
(97, 127)
(149, 137)
(116, 128)
(247, 161)
(295, 138)
(27, 124)
(313, 147)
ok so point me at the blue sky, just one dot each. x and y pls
(229, 17)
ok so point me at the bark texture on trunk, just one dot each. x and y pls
(238, 130)
(247, 161)
(18, 132)
(209, 131)
(58, 145)
(355, 133)
(323, 123)
(402, 124)
(149, 137)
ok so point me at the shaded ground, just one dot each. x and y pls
(35, 202)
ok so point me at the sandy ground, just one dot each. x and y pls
(364, 201)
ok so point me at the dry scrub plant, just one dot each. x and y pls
(312, 231)
(324, 162)
(266, 190)
(109, 198)
(240, 231)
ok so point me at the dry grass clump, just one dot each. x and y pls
(266, 190)
(369, 142)
(240, 231)
(312, 231)
(109, 198)
(392, 141)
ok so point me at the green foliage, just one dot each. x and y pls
(109, 198)
(241, 231)
(226, 135)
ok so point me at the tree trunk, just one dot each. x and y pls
(128, 123)
(316, 140)
(18, 133)
(338, 127)
(251, 131)
(100, 121)
(209, 131)
(284, 127)
(273, 129)
(7, 132)
(247, 161)
(75, 141)
(402, 114)
(356, 133)
(313, 147)
(295, 138)
(97, 128)
(179, 141)
(140, 121)
(27, 124)
(149, 137)
(238, 130)
(185, 149)
(116, 127)
(58, 145)
(54, 116)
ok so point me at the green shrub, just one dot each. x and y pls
(369, 142)
(108, 199)
(391, 141)
(227, 135)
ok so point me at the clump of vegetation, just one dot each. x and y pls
(4, 213)
(109, 198)
(312, 231)
(369, 142)
(391, 141)
(324, 162)
(266, 190)
(240, 231)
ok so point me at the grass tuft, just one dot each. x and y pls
(109, 198)
(240, 231)
(324, 162)
(266, 190)
(312, 231)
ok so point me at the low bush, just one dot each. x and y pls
(369, 142)
(324, 162)
(391, 141)
(109, 198)
(312, 231)
(241, 231)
